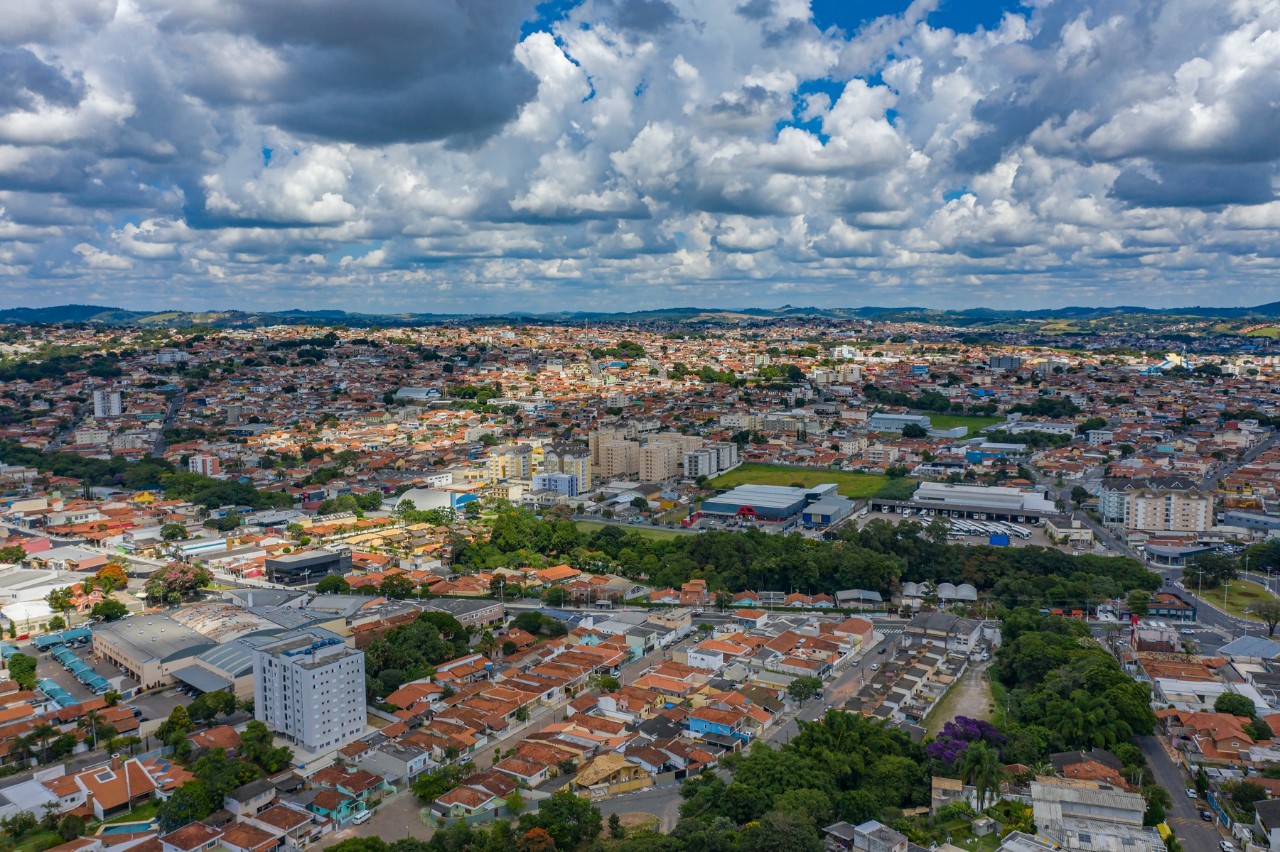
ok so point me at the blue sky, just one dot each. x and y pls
(500, 155)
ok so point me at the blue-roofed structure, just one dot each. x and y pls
(1251, 648)
(56, 694)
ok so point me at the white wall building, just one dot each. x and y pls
(310, 689)
(107, 403)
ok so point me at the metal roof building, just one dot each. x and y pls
(149, 647)
(767, 502)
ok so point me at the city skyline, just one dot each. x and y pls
(493, 157)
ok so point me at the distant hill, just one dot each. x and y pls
(109, 316)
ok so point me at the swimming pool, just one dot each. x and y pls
(127, 828)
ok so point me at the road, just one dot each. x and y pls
(839, 690)
(663, 802)
(1193, 833)
(170, 415)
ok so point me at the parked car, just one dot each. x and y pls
(1187, 631)
(1226, 846)
(881, 651)
(875, 667)
(362, 817)
(1206, 816)
(1191, 793)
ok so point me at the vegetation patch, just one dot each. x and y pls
(852, 485)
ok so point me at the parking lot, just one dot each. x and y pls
(48, 667)
(154, 705)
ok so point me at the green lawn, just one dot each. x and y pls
(646, 531)
(1266, 331)
(852, 485)
(142, 813)
(973, 421)
(34, 842)
(1241, 595)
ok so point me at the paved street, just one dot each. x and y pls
(1194, 834)
(663, 802)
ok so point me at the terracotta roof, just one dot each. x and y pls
(192, 836)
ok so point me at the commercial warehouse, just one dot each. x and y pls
(149, 647)
(974, 501)
(773, 503)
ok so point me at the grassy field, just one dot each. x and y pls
(851, 485)
(970, 696)
(951, 421)
(1266, 331)
(646, 531)
(1241, 595)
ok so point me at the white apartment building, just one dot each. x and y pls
(710, 460)
(204, 464)
(310, 689)
(107, 403)
(739, 422)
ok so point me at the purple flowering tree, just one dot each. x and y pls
(957, 735)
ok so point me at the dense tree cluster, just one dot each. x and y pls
(1065, 691)
(147, 473)
(878, 557)
(216, 773)
(408, 651)
(176, 581)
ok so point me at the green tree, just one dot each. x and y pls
(1268, 609)
(570, 820)
(1213, 569)
(70, 827)
(980, 767)
(61, 600)
(1139, 602)
(12, 554)
(1158, 802)
(397, 586)
(23, 670)
(1244, 794)
(515, 802)
(178, 724)
(257, 747)
(173, 532)
(1079, 494)
(108, 610)
(190, 802)
(804, 688)
(1234, 704)
(332, 584)
(780, 831)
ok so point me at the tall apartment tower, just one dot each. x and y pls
(310, 689)
(107, 403)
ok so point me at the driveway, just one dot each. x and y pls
(1193, 833)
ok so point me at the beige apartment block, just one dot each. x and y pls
(1169, 511)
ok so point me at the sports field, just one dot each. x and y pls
(973, 421)
(851, 485)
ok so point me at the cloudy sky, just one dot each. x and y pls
(498, 155)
